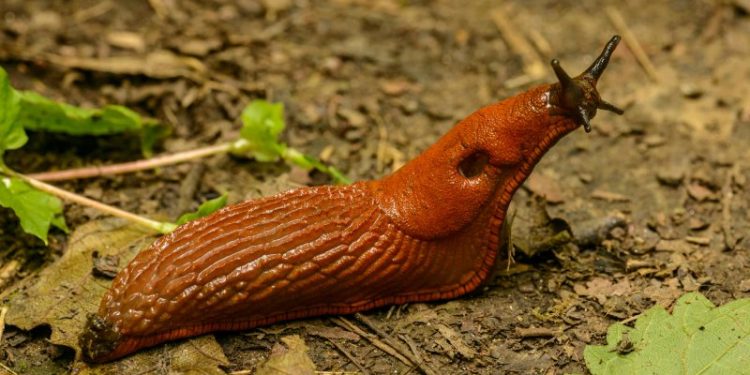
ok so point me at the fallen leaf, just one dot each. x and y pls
(698, 338)
(533, 231)
(663, 294)
(290, 358)
(65, 292)
(601, 288)
(592, 232)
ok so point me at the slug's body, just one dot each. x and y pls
(429, 231)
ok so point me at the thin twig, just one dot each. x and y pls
(158, 226)
(6, 368)
(395, 344)
(343, 323)
(134, 166)
(629, 37)
(349, 356)
(632, 318)
(413, 346)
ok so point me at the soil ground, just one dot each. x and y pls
(656, 199)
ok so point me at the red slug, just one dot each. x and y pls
(429, 231)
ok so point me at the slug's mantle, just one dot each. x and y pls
(429, 231)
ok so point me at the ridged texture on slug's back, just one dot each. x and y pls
(303, 253)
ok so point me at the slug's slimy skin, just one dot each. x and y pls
(429, 231)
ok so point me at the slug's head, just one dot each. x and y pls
(477, 166)
(577, 97)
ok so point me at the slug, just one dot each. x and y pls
(429, 231)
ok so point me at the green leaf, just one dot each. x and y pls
(40, 113)
(292, 359)
(262, 122)
(12, 135)
(206, 208)
(37, 210)
(698, 338)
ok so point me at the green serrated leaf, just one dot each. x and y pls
(12, 135)
(262, 122)
(40, 113)
(35, 209)
(206, 208)
(698, 338)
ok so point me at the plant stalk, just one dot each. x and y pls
(161, 227)
(139, 165)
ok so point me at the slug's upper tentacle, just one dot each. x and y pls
(577, 97)
(597, 67)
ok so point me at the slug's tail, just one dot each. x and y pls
(577, 97)
(99, 339)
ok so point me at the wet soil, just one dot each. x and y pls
(655, 200)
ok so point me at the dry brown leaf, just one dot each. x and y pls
(290, 358)
(664, 294)
(601, 288)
